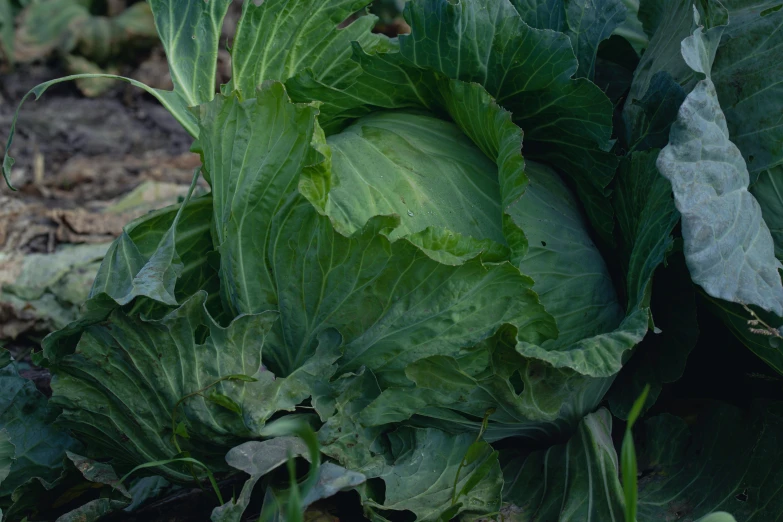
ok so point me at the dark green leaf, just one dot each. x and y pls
(225, 401)
(26, 420)
(747, 79)
(120, 384)
(573, 482)
(728, 461)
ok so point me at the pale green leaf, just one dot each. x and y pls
(397, 163)
(422, 474)
(190, 32)
(332, 479)
(728, 247)
(253, 152)
(386, 298)
(277, 39)
(256, 459)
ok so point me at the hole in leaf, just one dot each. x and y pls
(517, 382)
(543, 243)
(742, 497)
(201, 334)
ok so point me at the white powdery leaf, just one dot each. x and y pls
(728, 246)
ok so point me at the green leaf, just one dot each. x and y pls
(154, 277)
(119, 385)
(98, 472)
(591, 22)
(586, 22)
(631, 29)
(384, 298)
(256, 459)
(647, 121)
(572, 482)
(342, 437)
(570, 274)
(646, 215)
(139, 241)
(253, 151)
(190, 32)
(662, 77)
(532, 399)
(7, 455)
(410, 156)
(669, 22)
(277, 39)
(628, 458)
(225, 401)
(566, 122)
(332, 479)
(181, 431)
(768, 191)
(410, 184)
(767, 347)
(93, 510)
(384, 79)
(26, 421)
(421, 475)
(747, 80)
(693, 472)
(728, 247)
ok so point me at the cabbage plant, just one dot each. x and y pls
(439, 245)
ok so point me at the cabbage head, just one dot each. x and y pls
(424, 245)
